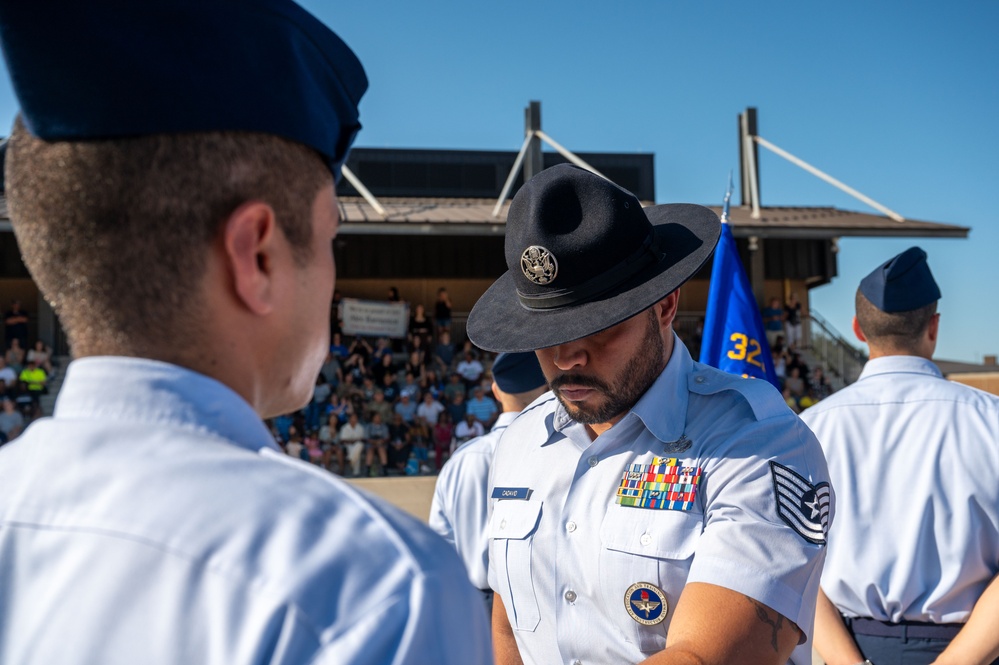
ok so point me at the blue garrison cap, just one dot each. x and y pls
(99, 69)
(517, 372)
(902, 283)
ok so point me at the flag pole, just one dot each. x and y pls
(728, 197)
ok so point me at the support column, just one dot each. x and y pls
(749, 164)
(534, 161)
(757, 274)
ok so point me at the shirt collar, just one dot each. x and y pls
(895, 364)
(158, 393)
(504, 419)
(663, 407)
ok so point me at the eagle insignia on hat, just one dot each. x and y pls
(646, 603)
(539, 265)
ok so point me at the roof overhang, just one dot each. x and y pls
(422, 216)
(826, 223)
(456, 217)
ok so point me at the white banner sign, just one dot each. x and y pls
(372, 318)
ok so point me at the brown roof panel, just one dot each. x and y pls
(474, 216)
(824, 222)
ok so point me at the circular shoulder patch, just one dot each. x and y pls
(539, 265)
(646, 603)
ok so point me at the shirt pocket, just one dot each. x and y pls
(512, 529)
(651, 546)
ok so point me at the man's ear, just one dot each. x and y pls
(248, 240)
(666, 309)
(933, 328)
(858, 332)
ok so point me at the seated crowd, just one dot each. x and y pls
(800, 386)
(380, 406)
(392, 407)
(24, 378)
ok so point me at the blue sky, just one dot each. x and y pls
(898, 100)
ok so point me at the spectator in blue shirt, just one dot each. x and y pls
(337, 347)
(406, 408)
(773, 321)
(482, 407)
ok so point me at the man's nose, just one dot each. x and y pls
(568, 356)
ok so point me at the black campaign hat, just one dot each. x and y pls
(583, 255)
(104, 69)
(902, 283)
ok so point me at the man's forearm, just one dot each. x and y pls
(713, 625)
(832, 639)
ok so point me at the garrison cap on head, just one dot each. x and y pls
(105, 69)
(583, 255)
(902, 283)
(517, 372)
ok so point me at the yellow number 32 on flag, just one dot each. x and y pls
(747, 349)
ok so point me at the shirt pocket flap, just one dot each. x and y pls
(664, 534)
(514, 520)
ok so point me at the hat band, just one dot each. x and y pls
(646, 255)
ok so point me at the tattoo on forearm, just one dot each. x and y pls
(763, 613)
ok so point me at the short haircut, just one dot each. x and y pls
(116, 233)
(897, 329)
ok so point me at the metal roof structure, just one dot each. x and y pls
(473, 216)
(827, 222)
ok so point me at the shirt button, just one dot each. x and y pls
(570, 527)
(699, 379)
(503, 524)
(593, 461)
(570, 596)
(577, 662)
(646, 539)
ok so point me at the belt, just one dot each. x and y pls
(904, 629)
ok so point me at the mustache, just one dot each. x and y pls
(580, 380)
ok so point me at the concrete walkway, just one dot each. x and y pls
(411, 493)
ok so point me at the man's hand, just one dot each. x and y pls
(978, 641)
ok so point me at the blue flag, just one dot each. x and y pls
(733, 338)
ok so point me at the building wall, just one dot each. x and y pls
(987, 381)
(478, 173)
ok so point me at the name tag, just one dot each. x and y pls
(522, 493)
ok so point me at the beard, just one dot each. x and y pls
(625, 389)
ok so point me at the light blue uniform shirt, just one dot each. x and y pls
(153, 520)
(564, 559)
(914, 459)
(460, 505)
